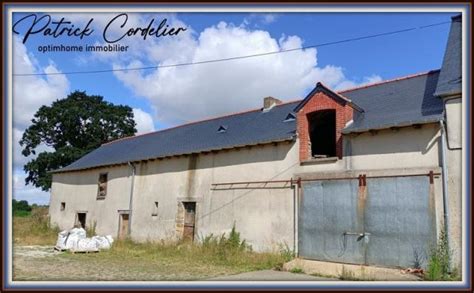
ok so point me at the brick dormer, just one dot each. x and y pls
(321, 116)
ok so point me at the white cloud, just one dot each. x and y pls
(347, 84)
(144, 121)
(29, 94)
(186, 93)
(29, 193)
(258, 19)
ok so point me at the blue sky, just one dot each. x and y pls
(166, 97)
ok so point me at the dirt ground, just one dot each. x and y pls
(43, 263)
(35, 263)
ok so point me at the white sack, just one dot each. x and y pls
(75, 234)
(75, 239)
(61, 242)
(86, 244)
(67, 239)
(104, 242)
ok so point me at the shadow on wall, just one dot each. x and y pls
(403, 140)
(246, 155)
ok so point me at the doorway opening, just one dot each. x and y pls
(123, 225)
(81, 220)
(189, 220)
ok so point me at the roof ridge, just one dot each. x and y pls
(282, 104)
(198, 121)
(388, 81)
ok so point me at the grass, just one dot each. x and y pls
(21, 214)
(34, 229)
(129, 260)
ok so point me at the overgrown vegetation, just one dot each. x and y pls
(90, 230)
(34, 229)
(297, 270)
(159, 260)
(438, 262)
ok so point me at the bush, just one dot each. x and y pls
(20, 207)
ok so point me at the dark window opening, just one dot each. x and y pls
(290, 117)
(102, 190)
(63, 206)
(322, 133)
(155, 210)
(81, 220)
(222, 129)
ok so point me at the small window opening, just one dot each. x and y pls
(290, 117)
(222, 129)
(63, 206)
(102, 190)
(155, 209)
(322, 133)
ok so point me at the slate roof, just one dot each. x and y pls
(247, 128)
(399, 102)
(396, 103)
(450, 76)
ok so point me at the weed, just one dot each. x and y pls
(90, 230)
(286, 252)
(296, 270)
(438, 263)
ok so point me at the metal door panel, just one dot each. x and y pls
(400, 219)
(328, 211)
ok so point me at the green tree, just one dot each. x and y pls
(73, 127)
(21, 205)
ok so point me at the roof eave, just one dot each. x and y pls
(290, 138)
(394, 125)
(447, 94)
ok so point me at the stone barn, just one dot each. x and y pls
(369, 175)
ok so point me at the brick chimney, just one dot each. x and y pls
(269, 102)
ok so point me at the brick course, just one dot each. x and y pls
(321, 101)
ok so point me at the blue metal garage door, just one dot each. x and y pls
(391, 223)
(400, 217)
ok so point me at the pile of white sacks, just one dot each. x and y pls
(76, 240)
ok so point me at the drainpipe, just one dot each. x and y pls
(295, 215)
(296, 196)
(131, 198)
(445, 186)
